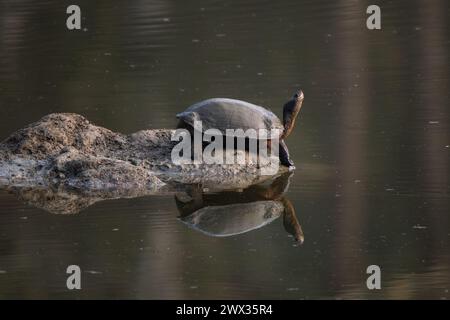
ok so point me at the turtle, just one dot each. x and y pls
(225, 113)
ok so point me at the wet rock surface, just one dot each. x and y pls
(66, 150)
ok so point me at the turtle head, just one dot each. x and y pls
(291, 110)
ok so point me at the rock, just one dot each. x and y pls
(66, 150)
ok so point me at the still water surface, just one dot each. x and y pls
(371, 146)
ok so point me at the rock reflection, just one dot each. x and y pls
(219, 213)
(229, 213)
(66, 200)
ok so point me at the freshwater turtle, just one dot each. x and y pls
(223, 113)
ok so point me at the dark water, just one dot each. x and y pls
(371, 146)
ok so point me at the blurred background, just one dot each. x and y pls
(371, 146)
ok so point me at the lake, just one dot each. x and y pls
(371, 147)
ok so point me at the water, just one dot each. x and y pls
(371, 146)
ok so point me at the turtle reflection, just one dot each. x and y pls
(229, 213)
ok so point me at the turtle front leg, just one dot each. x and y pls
(284, 156)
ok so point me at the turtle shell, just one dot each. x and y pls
(233, 219)
(223, 113)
